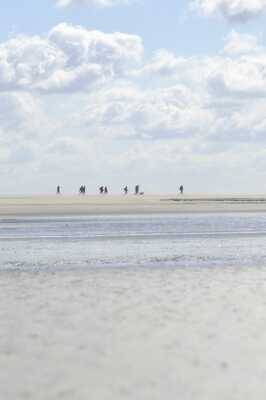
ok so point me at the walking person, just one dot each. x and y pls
(82, 190)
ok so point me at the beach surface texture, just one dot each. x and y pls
(11, 206)
(132, 298)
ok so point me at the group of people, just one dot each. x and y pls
(104, 190)
(126, 190)
(82, 189)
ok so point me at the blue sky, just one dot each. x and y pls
(168, 24)
(177, 96)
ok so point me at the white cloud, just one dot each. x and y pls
(126, 111)
(20, 113)
(148, 119)
(240, 77)
(240, 43)
(232, 10)
(23, 125)
(238, 72)
(69, 58)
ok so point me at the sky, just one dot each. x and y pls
(125, 92)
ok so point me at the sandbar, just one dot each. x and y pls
(90, 205)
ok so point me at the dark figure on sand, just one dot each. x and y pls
(101, 189)
(181, 189)
(82, 190)
(58, 190)
(125, 190)
(137, 189)
(105, 190)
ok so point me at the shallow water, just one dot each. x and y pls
(133, 308)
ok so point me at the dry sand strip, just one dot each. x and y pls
(38, 206)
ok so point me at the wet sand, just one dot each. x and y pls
(114, 204)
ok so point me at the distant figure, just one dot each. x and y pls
(101, 189)
(181, 189)
(105, 190)
(125, 190)
(137, 189)
(58, 190)
(82, 190)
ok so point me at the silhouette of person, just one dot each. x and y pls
(137, 189)
(125, 190)
(105, 190)
(58, 190)
(181, 189)
(82, 189)
(101, 189)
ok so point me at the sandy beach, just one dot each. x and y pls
(147, 306)
(114, 204)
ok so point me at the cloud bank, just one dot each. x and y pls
(76, 103)
(232, 10)
(69, 58)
